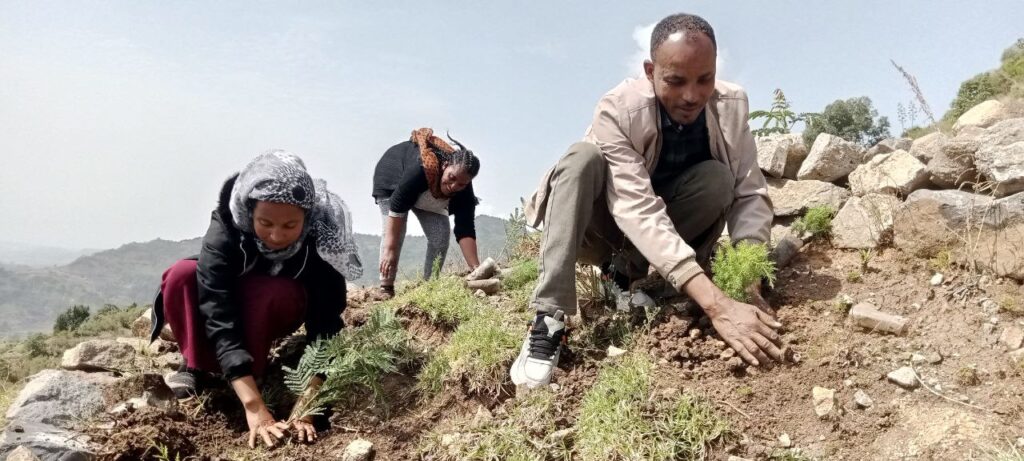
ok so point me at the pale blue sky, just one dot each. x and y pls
(119, 120)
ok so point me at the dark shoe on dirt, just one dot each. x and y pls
(384, 293)
(182, 383)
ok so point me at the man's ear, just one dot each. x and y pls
(649, 69)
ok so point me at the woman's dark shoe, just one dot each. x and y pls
(182, 382)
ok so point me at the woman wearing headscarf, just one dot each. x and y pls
(276, 256)
(429, 177)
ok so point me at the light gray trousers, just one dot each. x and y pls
(437, 229)
(579, 227)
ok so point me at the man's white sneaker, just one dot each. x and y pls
(541, 349)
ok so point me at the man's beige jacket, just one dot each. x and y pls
(626, 127)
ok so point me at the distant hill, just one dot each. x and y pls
(32, 297)
(20, 254)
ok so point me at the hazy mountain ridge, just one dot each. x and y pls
(32, 297)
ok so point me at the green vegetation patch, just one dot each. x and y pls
(816, 222)
(524, 435)
(109, 319)
(618, 420)
(444, 299)
(477, 355)
(738, 267)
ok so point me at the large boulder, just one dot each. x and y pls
(865, 222)
(1000, 157)
(45, 442)
(953, 166)
(983, 115)
(897, 173)
(888, 145)
(777, 152)
(831, 158)
(976, 229)
(928, 146)
(99, 354)
(791, 198)
(61, 398)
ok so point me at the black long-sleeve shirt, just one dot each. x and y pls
(399, 176)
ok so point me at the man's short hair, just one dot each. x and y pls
(682, 22)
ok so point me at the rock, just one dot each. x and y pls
(933, 358)
(982, 115)
(792, 198)
(953, 165)
(615, 352)
(785, 250)
(928, 146)
(142, 326)
(487, 269)
(22, 453)
(888, 145)
(918, 359)
(865, 222)
(862, 399)
(45, 442)
(936, 279)
(831, 158)
(904, 377)
(737, 458)
(993, 229)
(358, 450)
(489, 286)
(562, 436)
(896, 173)
(1013, 337)
(169, 361)
(60, 397)
(99, 354)
(727, 354)
(480, 294)
(785, 441)
(776, 151)
(824, 401)
(1002, 165)
(1017, 356)
(868, 317)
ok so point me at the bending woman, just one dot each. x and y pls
(276, 256)
(432, 179)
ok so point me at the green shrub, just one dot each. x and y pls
(353, 360)
(71, 319)
(444, 299)
(478, 353)
(816, 222)
(619, 420)
(35, 345)
(521, 274)
(780, 117)
(854, 120)
(737, 267)
(521, 242)
(976, 90)
(109, 319)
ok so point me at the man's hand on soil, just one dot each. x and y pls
(748, 330)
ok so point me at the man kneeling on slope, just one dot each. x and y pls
(667, 162)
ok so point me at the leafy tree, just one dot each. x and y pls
(780, 117)
(854, 120)
(1008, 79)
(71, 319)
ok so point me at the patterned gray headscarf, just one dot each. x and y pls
(280, 177)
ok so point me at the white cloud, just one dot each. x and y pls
(642, 39)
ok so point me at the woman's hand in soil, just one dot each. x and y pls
(304, 429)
(263, 425)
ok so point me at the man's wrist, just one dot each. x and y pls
(704, 292)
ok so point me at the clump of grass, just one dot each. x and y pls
(1010, 305)
(443, 298)
(942, 261)
(793, 454)
(351, 361)
(998, 454)
(853, 277)
(521, 243)
(865, 259)
(816, 222)
(520, 280)
(738, 267)
(617, 420)
(478, 353)
(967, 376)
(522, 435)
(110, 319)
